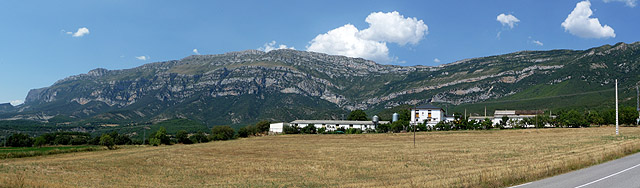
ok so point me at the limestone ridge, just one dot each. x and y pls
(242, 87)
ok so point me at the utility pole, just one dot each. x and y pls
(617, 132)
(485, 111)
(414, 128)
(638, 105)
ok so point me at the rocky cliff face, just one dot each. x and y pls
(241, 87)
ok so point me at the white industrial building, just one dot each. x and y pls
(428, 114)
(330, 125)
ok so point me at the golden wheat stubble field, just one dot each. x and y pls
(440, 159)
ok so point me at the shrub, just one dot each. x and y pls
(183, 137)
(107, 140)
(243, 132)
(199, 137)
(383, 128)
(154, 141)
(222, 133)
(322, 130)
(262, 126)
(309, 129)
(290, 129)
(353, 131)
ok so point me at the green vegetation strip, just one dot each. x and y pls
(19, 152)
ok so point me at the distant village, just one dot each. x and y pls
(428, 115)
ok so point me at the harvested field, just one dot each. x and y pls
(440, 159)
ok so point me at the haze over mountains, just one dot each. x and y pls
(281, 85)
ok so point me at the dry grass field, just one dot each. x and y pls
(441, 159)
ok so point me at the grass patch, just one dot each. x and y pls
(440, 159)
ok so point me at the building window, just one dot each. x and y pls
(350, 125)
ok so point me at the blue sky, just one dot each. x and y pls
(44, 41)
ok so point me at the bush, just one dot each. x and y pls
(353, 131)
(222, 133)
(290, 129)
(154, 141)
(399, 126)
(107, 140)
(183, 137)
(262, 126)
(322, 130)
(383, 128)
(244, 132)
(199, 137)
(309, 129)
(20, 140)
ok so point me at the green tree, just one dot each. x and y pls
(290, 129)
(628, 115)
(263, 126)
(183, 137)
(40, 141)
(107, 140)
(199, 137)
(322, 130)
(383, 128)
(161, 135)
(357, 115)
(222, 133)
(78, 140)
(572, 118)
(243, 132)
(503, 122)
(404, 115)
(20, 140)
(595, 118)
(487, 124)
(309, 129)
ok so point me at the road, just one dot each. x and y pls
(623, 172)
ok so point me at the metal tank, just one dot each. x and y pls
(394, 118)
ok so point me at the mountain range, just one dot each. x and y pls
(239, 88)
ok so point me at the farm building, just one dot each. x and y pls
(428, 114)
(330, 125)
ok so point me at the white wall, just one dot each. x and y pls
(333, 127)
(422, 115)
(276, 127)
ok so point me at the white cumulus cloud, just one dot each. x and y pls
(16, 102)
(371, 43)
(143, 58)
(580, 23)
(629, 3)
(538, 42)
(81, 32)
(436, 60)
(507, 19)
(393, 27)
(272, 46)
(195, 51)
